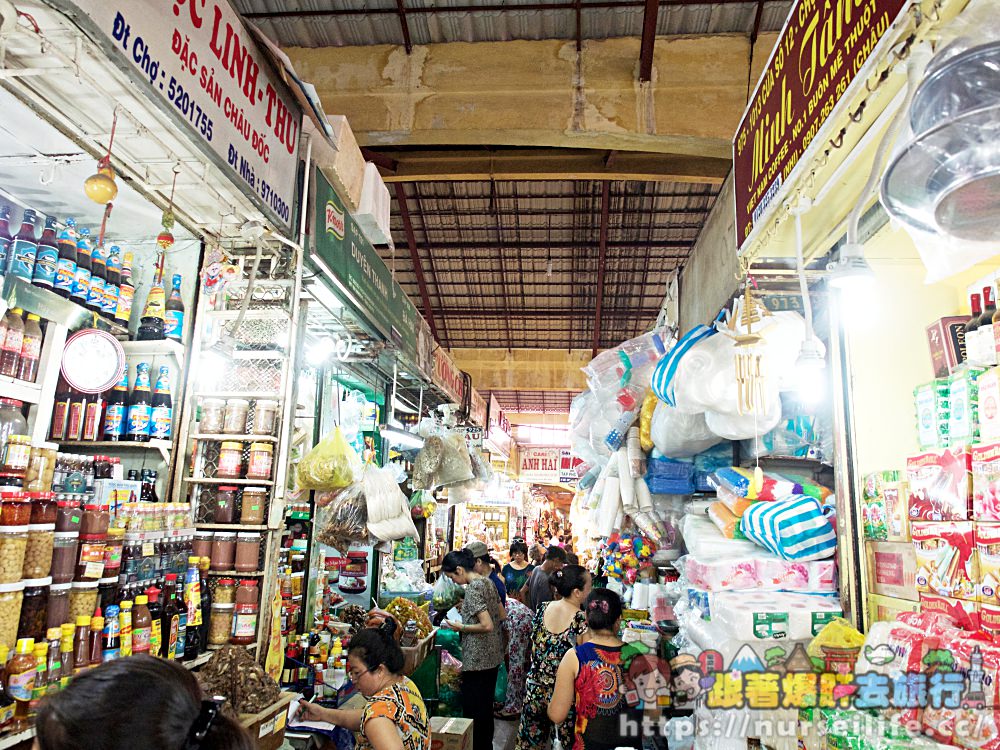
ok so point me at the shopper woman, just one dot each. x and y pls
(590, 681)
(558, 626)
(139, 702)
(482, 643)
(518, 627)
(394, 717)
(516, 572)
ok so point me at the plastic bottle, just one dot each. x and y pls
(125, 622)
(81, 650)
(66, 265)
(111, 642)
(46, 257)
(94, 639)
(156, 615)
(66, 654)
(53, 661)
(10, 354)
(22, 250)
(41, 676)
(206, 600)
(142, 625)
(171, 617)
(21, 671)
(31, 349)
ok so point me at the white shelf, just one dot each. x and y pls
(123, 446)
(21, 390)
(237, 573)
(230, 527)
(240, 394)
(162, 348)
(239, 438)
(234, 482)
(13, 740)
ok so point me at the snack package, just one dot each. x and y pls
(986, 482)
(989, 619)
(893, 648)
(873, 509)
(725, 521)
(940, 485)
(988, 552)
(931, 401)
(947, 563)
(964, 614)
(977, 729)
(963, 399)
(737, 505)
(989, 405)
(896, 494)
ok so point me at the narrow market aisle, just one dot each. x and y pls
(504, 735)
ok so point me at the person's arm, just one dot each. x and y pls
(338, 717)
(485, 624)
(383, 734)
(564, 695)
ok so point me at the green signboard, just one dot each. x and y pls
(340, 248)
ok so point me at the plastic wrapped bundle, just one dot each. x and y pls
(760, 572)
(725, 521)
(739, 427)
(772, 615)
(607, 513)
(677, 434)
(665, 476)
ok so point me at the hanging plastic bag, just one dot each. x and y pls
(500, 692)
(446, 594)
(343, 520)
(646, 420)
(388, 509)
(331, 465)
(456, 463)
(679, 435)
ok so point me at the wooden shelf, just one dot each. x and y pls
(230, 526)
(20, 390)
(235, 482)
(239, 438)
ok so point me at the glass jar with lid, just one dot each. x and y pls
(247, 552)
(43, 507)
(82, 599)
(254, 506)
(34, 609)
(230, 460)
(201, 544)
(213, 414)
(245, 613)
(113, 551)
(223, 555)
(220, 623)
(225, 504)
(95, 519)
(68, 515)
(16, 454)
(225, 591)
(13, 543)
(11, 596)
(64, 556)
(38, 551)
(237, 410)
(15, 509)
(12, 421)
(260, 461)
(265, 416)
(58, 612)
(41, 468)
(90, 562)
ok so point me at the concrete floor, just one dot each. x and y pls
(504, 735)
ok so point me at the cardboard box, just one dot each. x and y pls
(884, 507)
(988, 552)
(963, 406)
(989, 405)
(345, 169)
(986, 482)
(964, 614)
(450, 733)
(892, 570)
(940, 485)
(946, 559)
(989, 619)
(946, 339)
(930, 401)
(267, 727)
(887, 608)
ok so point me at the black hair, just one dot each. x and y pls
(556, 554)
(141, 701)
(572, 559)
(496, 565)
(603, 608)
(377, 647)
(519, 546)
(456, 559)
(570, 578)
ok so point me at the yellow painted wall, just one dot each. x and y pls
(888, 347)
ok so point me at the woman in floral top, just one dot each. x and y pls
(394, 717)
(558, 627)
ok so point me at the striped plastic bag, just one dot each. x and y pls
(794, 528)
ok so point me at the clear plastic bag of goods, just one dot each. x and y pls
(343, 520)
(706, 377)
(668, 476)
(332, 464)
(630, 362)
(351, 412)
(733, 426)
(456, 463)
(677, 434)
(389, 515)
(446, 594)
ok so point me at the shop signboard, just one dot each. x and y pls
(539, 465)
(341, 250)
(447, 376)
(477, 410)
(200, 64)
(498, 433)
(425, 349)
(474, 437)
(567, 467)
(819, 53)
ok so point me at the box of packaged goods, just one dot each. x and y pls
(892, 569)
(986, 482)
(939, 485)
(989, 619)
(946, 559)
(963, 405)
(989, 405)
(450, 733)
(884, 507)
(345, 167)
(931, 402)
(964, 614)
(946, 338)
(886, 608)
(988, 552)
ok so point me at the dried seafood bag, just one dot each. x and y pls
(331, 464)
(235, 675)
(428, 463)
(344, 519)
(389, 516)
(456, 463)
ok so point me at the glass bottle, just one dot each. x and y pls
(98, 270)
(81, 284)
(140, 409)
(151, 323)
(115, 411)
(66, 265)
(112, 282)
(23, 248)
(126, 292)
(162, 406)
(5, 238)
(174, 326)
(46, 256)
(60, 411)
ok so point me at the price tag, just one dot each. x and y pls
(147, 549)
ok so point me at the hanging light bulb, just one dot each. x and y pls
(810, 373)
(851, 272)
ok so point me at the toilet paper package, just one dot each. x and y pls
(705, 541)
(759, 572)
(772, 615)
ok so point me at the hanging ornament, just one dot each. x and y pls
(101, 187)
(165, 239)
(750, 376)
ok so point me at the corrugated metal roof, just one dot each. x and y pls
(376, 21)
(515, 264)
(535, 402)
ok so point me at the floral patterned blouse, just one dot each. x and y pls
(402, 704)
(548, 649)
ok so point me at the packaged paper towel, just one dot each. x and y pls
(759, 571)
(772, 615)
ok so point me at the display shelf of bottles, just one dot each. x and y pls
(234, 482)
(22, 390)
(154, 444)
(151, 536)
(13, 740)
(45, 304)
(240, 438)
(237, 573)
(230, 526)
(163, 347)
(241, 394)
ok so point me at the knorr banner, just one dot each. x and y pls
(823, 46)
(345, 254)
